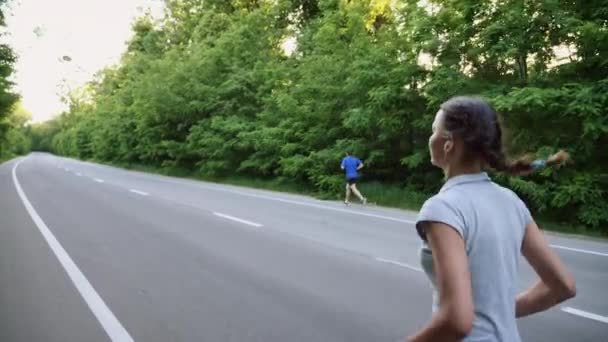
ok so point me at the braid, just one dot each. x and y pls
(525, 165)
(497, 159)
(557, 159)
(478, 125)
(494, 154)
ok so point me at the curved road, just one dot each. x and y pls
(95, 253)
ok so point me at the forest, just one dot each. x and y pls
(280, 89)
(14, 137)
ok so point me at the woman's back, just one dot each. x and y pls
(491, 221)
(477, 231)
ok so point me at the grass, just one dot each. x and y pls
(5, 158)
(259, 183)
(569, 229)
(381, 194)
(392, 195)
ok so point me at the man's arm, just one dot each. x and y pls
(360, 166)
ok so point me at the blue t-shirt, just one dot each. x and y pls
(350, 165)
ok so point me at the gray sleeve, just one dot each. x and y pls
(438, 210)
(524, 212)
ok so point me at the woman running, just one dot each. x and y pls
(474, 231)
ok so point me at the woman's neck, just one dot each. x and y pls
(452, 171)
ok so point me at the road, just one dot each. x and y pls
(94, 253)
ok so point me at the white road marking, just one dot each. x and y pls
(102, 312)
(313, 205)
(78, 174)
(585, 314)
(320, 206)
(139, 192)
(238, 219)
(98, 180)
(389, 218)
(397, 263)
(579, 250)
(283, 200)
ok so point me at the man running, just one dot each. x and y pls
(351, 165)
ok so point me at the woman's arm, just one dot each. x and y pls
(454, 318)
(556, 284)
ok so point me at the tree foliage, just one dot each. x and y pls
(211, 88)
(15, 137)
(12, 140)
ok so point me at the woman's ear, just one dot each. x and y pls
(448, 146)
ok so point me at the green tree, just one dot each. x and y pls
(210, 88)
(12, 140)
(15, 141)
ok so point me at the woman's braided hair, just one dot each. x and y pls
(477, 124)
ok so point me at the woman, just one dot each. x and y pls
(474, 231)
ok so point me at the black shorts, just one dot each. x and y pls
(351, 181)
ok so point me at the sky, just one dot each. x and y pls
(92, 32)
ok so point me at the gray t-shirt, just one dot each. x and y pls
(492, 222)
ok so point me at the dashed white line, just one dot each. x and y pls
(388, 218)
(579, 250)
(283, 200)
(397, 263)
(102, 312)
(238, 219)
(585, 314)
(313, 205)
(139, 192)
(98, 180)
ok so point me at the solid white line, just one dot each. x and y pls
(98, 180)
(104, 315)
(139, 192)
(393, 262)
(579, 250)
(237, 219)
(313, 205)
(389, 218)
(319, 206)
(218, 188)
(585, 314)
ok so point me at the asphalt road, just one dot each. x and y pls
(94, 253)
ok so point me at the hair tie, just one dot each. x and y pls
(538, 164)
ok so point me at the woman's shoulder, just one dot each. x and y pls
(442, 208)
(510, 195)
(453, 197)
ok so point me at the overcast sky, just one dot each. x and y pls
(92, 32)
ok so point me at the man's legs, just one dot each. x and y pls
(346, 199)
(353, 188)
